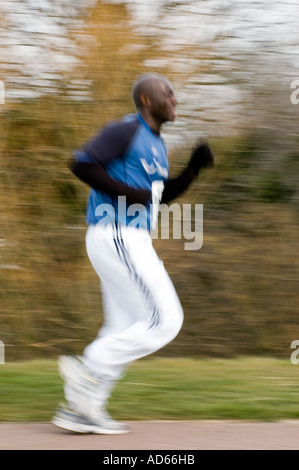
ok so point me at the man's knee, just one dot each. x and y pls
(167, 329)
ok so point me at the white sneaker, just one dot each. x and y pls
(86, 391)
(73, 372)
(72, 421)
(86, 395)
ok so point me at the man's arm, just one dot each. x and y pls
(201, 157)
(97, 177)
(111, 143)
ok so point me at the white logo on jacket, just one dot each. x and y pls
(154, 167)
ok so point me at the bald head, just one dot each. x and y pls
(147, 85)
(154, 99)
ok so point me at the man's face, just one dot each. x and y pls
(163, 101)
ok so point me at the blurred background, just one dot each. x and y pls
(68, 67)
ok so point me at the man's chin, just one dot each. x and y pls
(171, 117)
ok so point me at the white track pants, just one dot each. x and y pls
(142, 310)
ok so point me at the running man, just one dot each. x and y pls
(126, 166)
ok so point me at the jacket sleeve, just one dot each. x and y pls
(201, 157)
(89, 163)
(97, 177)
(173, 187)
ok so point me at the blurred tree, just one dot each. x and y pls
(239, 291)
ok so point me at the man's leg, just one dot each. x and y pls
(142, 309)
(142, 314)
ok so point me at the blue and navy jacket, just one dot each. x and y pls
(131, 153)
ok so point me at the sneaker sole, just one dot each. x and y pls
(84, 428)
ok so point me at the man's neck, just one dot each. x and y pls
(153, 124)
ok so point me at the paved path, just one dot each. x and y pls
(157, 435)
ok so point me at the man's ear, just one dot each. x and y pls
(145, 100)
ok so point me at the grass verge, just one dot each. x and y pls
(263, 389)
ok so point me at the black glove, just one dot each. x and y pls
(201, 157)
